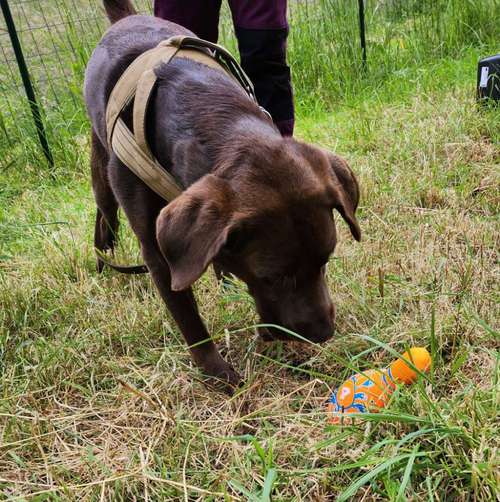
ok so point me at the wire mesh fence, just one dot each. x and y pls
(58, 36)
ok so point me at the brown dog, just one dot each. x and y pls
(255, 204)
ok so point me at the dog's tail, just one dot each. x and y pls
(118, 9)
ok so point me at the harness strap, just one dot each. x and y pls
(145, 86)
(125, 87)
(219, 54)
(124, 269)
(141, 164)
(143, 95)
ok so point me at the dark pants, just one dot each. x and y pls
(261, 29)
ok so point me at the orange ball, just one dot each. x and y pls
(369, 391)
(402, 372)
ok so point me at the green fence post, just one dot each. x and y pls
(362, 30)
(28, 87)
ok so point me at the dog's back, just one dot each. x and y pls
(200, 107)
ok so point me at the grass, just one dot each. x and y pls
(99, 399)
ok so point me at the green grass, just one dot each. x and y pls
(99, 399)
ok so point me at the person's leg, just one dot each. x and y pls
(261, 28)
(199, 16)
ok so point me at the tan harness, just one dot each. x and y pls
(137, 83)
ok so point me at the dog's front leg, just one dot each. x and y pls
(142, 206)
(182, 305)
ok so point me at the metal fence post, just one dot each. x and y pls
(28, 87)
(362, 30)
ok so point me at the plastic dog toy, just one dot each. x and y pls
(370, 391)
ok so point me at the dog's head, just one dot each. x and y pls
(270, 223)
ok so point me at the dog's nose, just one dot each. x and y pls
(321, 331)
(317, 332)
(322, 335)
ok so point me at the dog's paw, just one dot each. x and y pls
(223, 377)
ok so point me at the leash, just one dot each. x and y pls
(137, 83)
(123, 269)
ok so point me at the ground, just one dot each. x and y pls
(99, 398)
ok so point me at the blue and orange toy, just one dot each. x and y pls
(370, 391)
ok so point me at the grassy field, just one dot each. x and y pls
(99, 399)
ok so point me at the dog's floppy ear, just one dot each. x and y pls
(192, 229)
(345, 192)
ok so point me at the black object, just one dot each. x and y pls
(263, 58)
(362, 30)
(488, 78)
(28, 87)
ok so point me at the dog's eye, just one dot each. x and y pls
(271, 283)
(278, 282)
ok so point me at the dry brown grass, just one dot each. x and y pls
(99, 399)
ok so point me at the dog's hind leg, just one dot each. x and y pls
(106, 223)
